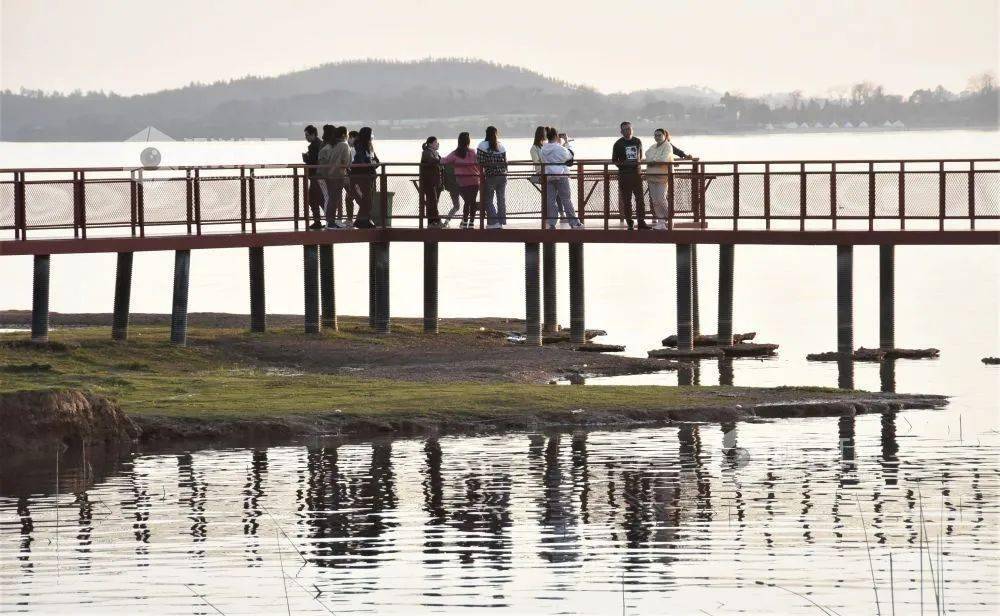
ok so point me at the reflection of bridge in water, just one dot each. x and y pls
(841, 203)
(466, 510)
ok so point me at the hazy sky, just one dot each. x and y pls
(751, 46)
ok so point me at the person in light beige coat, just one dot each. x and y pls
(659, 156)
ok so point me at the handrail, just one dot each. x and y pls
(587, 161)
(699, 194)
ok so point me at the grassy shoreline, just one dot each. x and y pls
(227, 380)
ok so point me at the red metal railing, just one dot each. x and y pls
(943, 194)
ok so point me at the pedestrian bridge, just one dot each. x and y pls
(46, 212)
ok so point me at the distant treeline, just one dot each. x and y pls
(410, 99)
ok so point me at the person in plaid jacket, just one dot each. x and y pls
(492, 157)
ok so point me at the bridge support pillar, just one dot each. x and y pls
(577, 331)
(382, 322)
(532, 318)
(887, 296)
(550, 318)
(685, 338)
(310, 271)
(845, 316)
(123, 294)
(372, 291)
(430, 287)
(179, 312)
(40, 299)
(726, 267)
(695, 323)
(327, 287)
(258, 312)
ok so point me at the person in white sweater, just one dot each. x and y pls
(659, 157)
(555, 156)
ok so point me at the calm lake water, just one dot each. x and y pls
(643, 521)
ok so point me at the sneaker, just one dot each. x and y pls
(334, 226)
(495, 225)
(576, 224)
(629, 223)
(550, 227)
(316, 226)
(361, 223)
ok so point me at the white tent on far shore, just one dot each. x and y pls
(150, 133)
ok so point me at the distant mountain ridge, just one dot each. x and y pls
(439, 96)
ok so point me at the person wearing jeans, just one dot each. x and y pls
(555, 156)
(492, 157)
(467, 173)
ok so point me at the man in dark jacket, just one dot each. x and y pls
(314, 196)
(627, 156)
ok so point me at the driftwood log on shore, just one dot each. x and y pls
(709, 339)
(747, 349)
(875, 355)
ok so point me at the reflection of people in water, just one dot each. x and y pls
(349, 509)
(481, 515)
(27, 528)
(252, 491)
(559, 540)
(433, 485)
(194, 483)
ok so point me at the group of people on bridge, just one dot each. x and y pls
(342, 168)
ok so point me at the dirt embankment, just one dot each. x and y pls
(38, 420)
(45, 420)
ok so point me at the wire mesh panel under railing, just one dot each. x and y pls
(804, 195)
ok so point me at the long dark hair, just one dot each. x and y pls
(329, 134)
(463, 144)
(493, 138)
(428, 142)
(364, 140)
(539, 136)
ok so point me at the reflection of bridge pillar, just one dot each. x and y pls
(258, 312)
(179, 312)
(310, 271)
(431, 287)
(533, 326)
(327, 287)
(577, 332)
(887, 375)
(726, 371)
(550, 318)
(123, 294)
(726, 267)
(685, 340)
(40, 299)
(887, 296)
